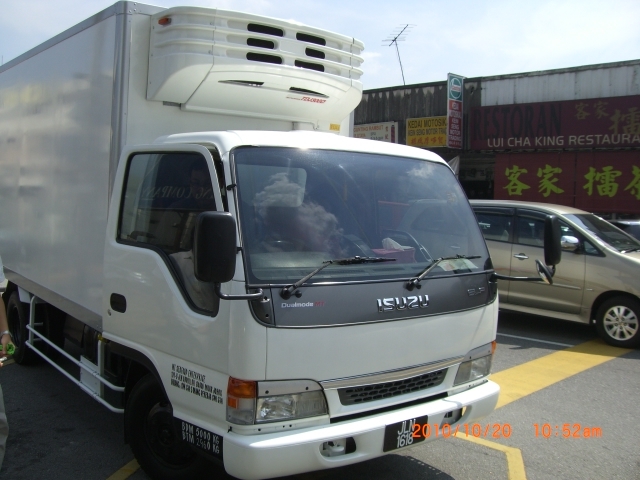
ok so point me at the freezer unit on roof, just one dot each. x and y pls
(235, 63)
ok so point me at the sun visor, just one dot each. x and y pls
(220, 61)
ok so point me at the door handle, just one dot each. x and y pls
(521, 256)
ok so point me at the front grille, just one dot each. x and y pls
(369, 393)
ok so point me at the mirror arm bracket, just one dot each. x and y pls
(249, 296)
(498, 276)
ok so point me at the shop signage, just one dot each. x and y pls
(384, 132)
(454, 110)
(596, 181)
(569, 125)
(427, 132)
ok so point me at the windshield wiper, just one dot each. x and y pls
(287, 291)
(415, 282)
(634, 249)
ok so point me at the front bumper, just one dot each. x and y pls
(293, 452)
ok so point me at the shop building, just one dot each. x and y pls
(569, 136)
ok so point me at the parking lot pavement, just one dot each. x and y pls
(58, 432)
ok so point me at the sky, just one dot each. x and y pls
(468, 38)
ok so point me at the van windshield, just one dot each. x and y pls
(300, 208)
(605, 232)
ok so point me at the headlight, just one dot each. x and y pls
(473, 370)
(250, 402)
(287, 407)
(477, 364)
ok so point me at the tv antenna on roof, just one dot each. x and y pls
(398, 35)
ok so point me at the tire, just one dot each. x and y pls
(154, 440)
(18, 319)
(53, 328)
(618, 322)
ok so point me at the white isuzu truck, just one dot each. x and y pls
(185, 222)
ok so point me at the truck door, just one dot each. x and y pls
(151, 293)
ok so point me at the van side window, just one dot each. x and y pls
(495, 226)
(587, 246)
(530, 231)
(164, 193)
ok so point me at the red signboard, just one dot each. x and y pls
(593, 181)
(571, 125)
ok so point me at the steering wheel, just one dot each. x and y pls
(281, 245)
(354, 245)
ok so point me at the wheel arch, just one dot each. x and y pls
(139, 365)
(603, 297)
(11, 287)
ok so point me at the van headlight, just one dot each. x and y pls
(251, 402)
(477, 364)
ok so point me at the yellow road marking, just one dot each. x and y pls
(515, 464)
(528, 378)
(126, 471)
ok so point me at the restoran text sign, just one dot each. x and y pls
(577, 124)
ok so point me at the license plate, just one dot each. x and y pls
(404, 434)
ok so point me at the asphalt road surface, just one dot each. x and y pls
(567, 410)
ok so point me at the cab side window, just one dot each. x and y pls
(164, 193)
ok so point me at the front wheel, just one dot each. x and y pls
(154, 440)
(618, 322)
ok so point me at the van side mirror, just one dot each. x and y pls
(569, 243)
(214, 247)
(552, 235)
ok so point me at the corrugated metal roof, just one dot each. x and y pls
(596, 81)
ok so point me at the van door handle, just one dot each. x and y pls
(521, 256)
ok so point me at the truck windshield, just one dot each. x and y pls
(299, 208)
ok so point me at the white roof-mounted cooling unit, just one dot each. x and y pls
(234, 63)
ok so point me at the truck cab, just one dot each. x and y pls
(316, 327)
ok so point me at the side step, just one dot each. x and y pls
(91, 380)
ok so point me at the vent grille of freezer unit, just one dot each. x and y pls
(229, 62)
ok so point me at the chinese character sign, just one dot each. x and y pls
(608, 181)
(592, 181)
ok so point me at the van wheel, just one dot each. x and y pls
(18, 319)
(154, 440)
(618, 322)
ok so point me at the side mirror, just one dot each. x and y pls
(214, 247)
(569, 243)
(552, 235)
